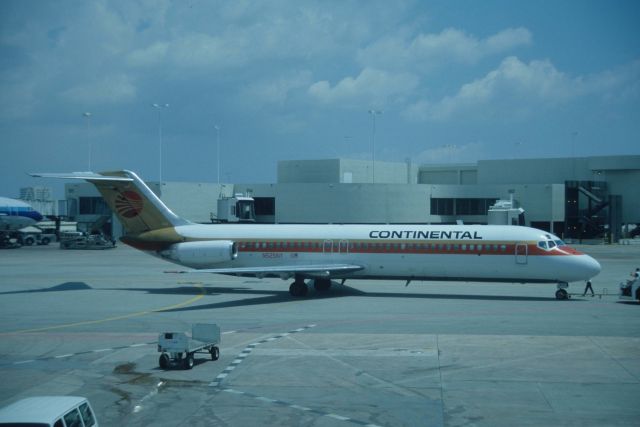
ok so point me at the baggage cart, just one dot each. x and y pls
(178, 348)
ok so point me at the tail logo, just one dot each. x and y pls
(129, 204)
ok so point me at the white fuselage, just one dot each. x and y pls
(427, 252)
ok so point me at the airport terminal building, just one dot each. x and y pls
(579, 198)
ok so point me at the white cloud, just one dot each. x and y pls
(149, 56)
(430, 50)
(371, 87)
(112, 89)
(273, 91)
(513, 84)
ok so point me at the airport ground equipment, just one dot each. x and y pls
(85, 241)
(33, 235)
(236, 209)
(178, 348)
(630, 290)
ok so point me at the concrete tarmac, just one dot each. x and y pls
(368, 353)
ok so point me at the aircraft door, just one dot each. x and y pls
(521, 253)
(343, 247)
(327, 247)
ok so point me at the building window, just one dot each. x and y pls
(265, 205)
(441, 206)
(473, 206)
(92, 206)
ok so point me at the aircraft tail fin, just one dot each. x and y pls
(137, 207)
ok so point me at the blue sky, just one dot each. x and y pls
(457, 81)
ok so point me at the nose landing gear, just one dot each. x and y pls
(561, 293)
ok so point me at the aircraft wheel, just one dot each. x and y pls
(322, 285)
(215, 353)
(188, 361)
(29, 241)
(561, 294)
(164, 361)
(298, 289)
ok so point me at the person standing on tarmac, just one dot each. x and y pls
(588, 288)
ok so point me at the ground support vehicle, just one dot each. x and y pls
(630, 290)
(29, 236)
(85, 241)
(178, 348)
(49, 411)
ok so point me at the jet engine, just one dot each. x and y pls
(202, 254)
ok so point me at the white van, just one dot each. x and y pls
(49, 411)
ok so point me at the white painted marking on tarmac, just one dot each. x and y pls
(64, 355)
(149, 395)
(102, 350)
(247, 350)
(228, 332)
(23, 361)
(338, 417)
(138, 345)
(299, 408)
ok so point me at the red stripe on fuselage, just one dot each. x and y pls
(366, 247)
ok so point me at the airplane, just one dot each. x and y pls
(16, 214)
(489, 253)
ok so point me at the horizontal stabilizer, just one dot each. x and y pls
(89, 176)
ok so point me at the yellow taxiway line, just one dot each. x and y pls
(111, 319)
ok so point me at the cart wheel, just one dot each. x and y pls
(215, 353)
(188, 361)
(164, 361)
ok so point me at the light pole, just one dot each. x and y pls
(159, 107)
(217, 128)
(373, 113)
(574, 134)
(87, 115)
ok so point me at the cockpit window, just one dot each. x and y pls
(551, 244)
(560, 243)
(542, 245)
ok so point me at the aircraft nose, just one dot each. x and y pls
(591, 267)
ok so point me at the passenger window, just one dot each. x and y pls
(87, 415)
(503, 248)
(464, 247)
(72, 419)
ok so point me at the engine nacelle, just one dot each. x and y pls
(202, 254)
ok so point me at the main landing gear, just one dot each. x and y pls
(298, 288)
(561, 293)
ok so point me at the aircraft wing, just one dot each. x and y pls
(314, 270)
